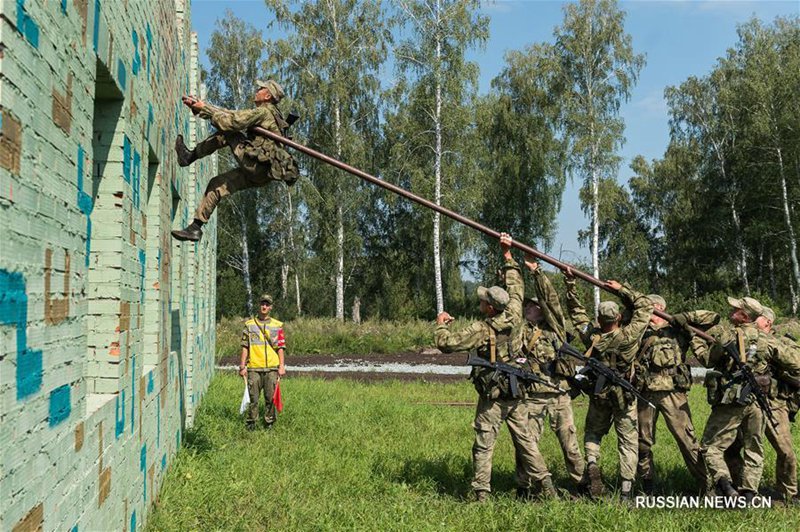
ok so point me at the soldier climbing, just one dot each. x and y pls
(259, 159)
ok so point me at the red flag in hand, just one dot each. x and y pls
(276, 397)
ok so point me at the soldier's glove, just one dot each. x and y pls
(680, 319)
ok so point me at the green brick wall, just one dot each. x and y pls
(106, 323)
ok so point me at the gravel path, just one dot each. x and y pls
(426, 366)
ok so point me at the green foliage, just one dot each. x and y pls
(329, 336)
(351, 456)
(718, 212)
(333, 53)
(525, 164)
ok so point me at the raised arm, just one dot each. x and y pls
(631, 334)
(577, 312)
(548, 298)
(469, 338)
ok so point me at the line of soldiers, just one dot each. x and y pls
(648, 351)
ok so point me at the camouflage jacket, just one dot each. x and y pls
(266, 116)
(618, 348)
(478, 334)
(787, 393)
(764, 353)
(538, 343)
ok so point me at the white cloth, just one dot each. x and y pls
(245, 399)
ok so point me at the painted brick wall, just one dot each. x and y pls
(106, 324)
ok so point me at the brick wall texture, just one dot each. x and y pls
(106, 323)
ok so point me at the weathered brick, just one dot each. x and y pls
(77, 231)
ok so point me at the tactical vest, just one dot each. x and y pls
(660, 364)
(540, 350)
(282, 166)
(723, 386)
(604, 348)
(497, 348)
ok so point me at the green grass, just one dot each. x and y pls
(350, 456)
(327, 336)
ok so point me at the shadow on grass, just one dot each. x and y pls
(196, 440)
(449, 475)
(675, 480)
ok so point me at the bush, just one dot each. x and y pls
(307, 336)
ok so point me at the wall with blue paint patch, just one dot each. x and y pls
(106, 323)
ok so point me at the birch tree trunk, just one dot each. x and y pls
(787, 217)
(292, 249)
(437, 192)
(595, 229)
(248, 287)
(339, 222)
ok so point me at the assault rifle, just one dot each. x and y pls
(750, 385)
(603, 373)
(514, 374)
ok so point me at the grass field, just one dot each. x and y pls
(350, 456)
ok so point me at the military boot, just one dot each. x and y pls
(193, 232)
(547, 489)
(594, 480)
(185, 155)
(481, 496)
(648, 486)
(724, 487)
(748, 496)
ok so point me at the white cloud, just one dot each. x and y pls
(652, 104)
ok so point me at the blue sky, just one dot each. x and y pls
(680, 38)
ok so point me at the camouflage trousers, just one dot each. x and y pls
(720, 434)
(248, 174)
(558, 407)
(489, 416)
(259, 382)
(602, 413)
(675, 408)
(785, 458)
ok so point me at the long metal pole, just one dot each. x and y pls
(454, 215)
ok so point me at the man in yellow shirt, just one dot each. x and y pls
(263, 345)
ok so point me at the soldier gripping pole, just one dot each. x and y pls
(454, 215)
(757, 392)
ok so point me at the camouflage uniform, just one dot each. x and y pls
(617, 349)
(783, 403)
(538, 343)
(259, 159)
(495, 407)
(761, 353)
(664, 378)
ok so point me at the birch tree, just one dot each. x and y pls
(440, 85)
(599, 69)
(332, 56)
(235, 54)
